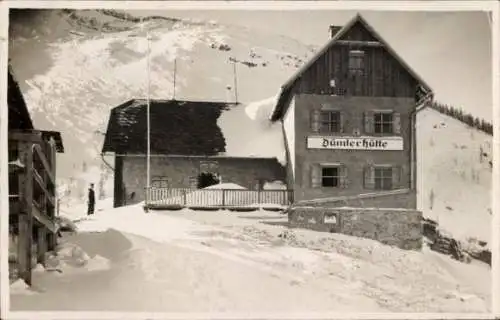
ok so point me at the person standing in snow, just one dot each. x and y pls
(91, 200)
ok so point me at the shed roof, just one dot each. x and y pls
(176, 127)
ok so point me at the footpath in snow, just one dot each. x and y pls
(192, 261)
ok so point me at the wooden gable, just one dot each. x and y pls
(329, 72)
(358, 32)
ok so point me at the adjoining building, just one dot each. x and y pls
(185, 141)
(32, 186)
(348, 117)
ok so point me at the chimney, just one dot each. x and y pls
(334, 30)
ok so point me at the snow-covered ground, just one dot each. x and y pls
(193, 261)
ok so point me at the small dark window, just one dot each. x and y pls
(383, 122)
(330, 176)
(356, 62)
(330, 121)
(160, 182)
(383, 178)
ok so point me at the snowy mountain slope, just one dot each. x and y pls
(454, 175)
(78, 77)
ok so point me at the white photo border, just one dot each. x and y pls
(487, 6)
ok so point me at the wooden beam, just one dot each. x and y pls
(42, 245)
(45, 163)
(360, 43)
(42, 185)
(43, 219)
(24, 248)
(30, 136)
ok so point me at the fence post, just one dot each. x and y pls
(258, 196)
(184, 197)
(223, 197)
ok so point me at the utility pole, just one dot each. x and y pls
(175, 75)
(235, 82)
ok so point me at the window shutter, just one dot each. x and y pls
(342, 119)
(396, 177)
(315, 176)
(396, 122)
(315, 120)
(343, 179)
(369, 122)
(370, 177)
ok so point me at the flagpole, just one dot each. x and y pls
(148, 112)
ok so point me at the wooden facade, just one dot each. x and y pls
(32, 188)
(381, 72)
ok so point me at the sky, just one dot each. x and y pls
(451, 51)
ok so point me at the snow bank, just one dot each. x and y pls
(20, 287)
(225, 186)
(249, 133)
(71, 258)
(275, 185)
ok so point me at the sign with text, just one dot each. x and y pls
(356, 143)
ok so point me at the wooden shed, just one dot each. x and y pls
(32, 187)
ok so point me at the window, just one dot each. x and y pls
(160, 182)
(330, 176)
(383, 178)
(383, 122)
(356, 62)
(209, 166)
(193, 182)
(330, 121)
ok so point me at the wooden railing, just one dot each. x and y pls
(221, 198)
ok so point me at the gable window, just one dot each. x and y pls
(330, 121)
(356, 62)
(329, 176)
(383, 122)
(382, 177)
(160, 182)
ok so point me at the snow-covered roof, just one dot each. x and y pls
(193, 128)
(249, 133)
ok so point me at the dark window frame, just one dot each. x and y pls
(330, 121)
(163, 181)
(356, 62)
(383, 176)
(334, 176)
(209, 166)
(383, 122)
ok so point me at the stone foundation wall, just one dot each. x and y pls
(397, 227)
